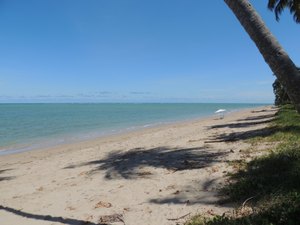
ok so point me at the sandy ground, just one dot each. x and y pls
(156, 176)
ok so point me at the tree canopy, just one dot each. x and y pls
(279, 5)
(281, 97)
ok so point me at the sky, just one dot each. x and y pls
(134, 51)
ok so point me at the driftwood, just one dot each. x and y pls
(181, 217)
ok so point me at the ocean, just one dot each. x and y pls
(26, 127)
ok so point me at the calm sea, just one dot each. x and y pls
(30, 126)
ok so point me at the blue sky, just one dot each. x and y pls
(134, 51)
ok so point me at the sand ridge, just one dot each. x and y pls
(155, 176)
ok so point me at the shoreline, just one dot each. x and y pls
(146, 177)
(52, 144)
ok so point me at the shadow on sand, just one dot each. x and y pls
(241, 125)
(244, 135)
(6, 178)
(48, 217)
(128, 164)
(204, 194)
(264, 132)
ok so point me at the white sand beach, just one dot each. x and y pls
(155, 176)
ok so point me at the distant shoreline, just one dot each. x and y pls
(88, 135)
(52, 144)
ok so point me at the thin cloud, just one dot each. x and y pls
(139, 93)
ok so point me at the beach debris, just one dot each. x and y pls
(144, 174)
(178, 218)
(111, 218)
(126, 209)
(176, 192)
(248, 199)
(210, 212)
(70, 208)
(245, 211)
(215, 169)
(102, 204)
(40, 188)
(83, 173)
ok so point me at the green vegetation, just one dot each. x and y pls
(270, 185)
(281, 97)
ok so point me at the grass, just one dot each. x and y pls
(271, 182)
(285, 128)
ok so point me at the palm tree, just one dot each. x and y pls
(279, 5)
(274, 55)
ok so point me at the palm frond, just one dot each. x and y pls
(271, 4)
(278, 6)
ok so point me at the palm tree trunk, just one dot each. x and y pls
(273, 53)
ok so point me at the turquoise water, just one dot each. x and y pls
(29, 126)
